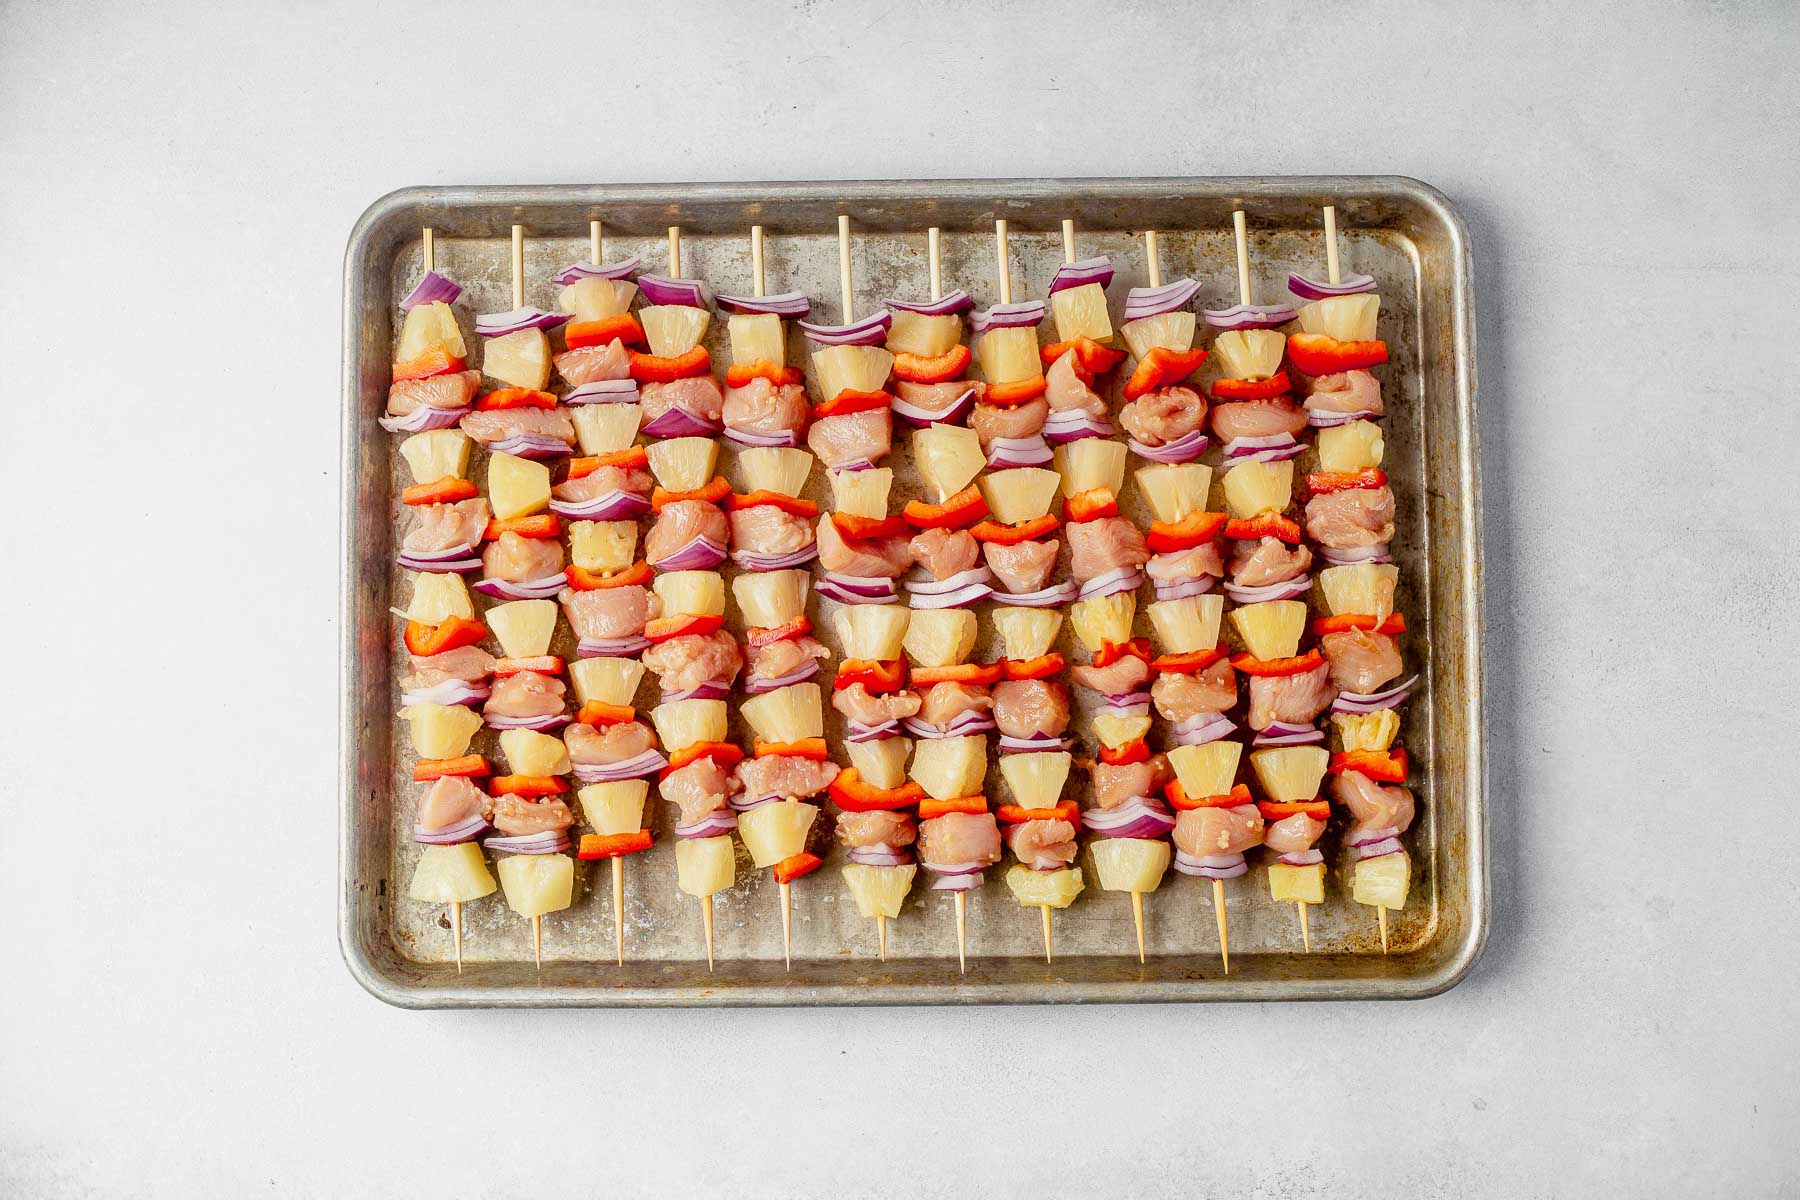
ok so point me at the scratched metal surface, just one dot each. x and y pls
(1397, 230)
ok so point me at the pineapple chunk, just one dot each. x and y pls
(1253, 488)
(691, 593)
(1120, 731)
(882, 764)
(536, 884)
(517, 487)
(1361, 589)
(1207, 770)
(1186, 625)
(1172, 331)
(1367, 731)
(1027, 632)
(950, 767)
(948, 457)
(595, 299)
(1091, 463)
(940, 637)
(1173, 490)
(1081, 312)
(704, 866)
(772, 832)
(426, 326)
(1271, 629)
(523, 627)
(521, 358)
(684, 464)
(757, 337)
(1009, 355)
(436, 453)
(1382, 881)
(788, 714)
(771, 598)
(682, 723)
(608, 680)
(1041, 889)
(851, 368)
(616, 807)
(602, 545)
(862, 493)
(780, 469)
(1248, 353)
(1354, 447)
(1104, 618)
(451, 874)
(673, 329)
(878, 891)
(441, 730)
(437, 597)
(1303, 885)
(1131, 864)
(1036, 780)
(872, 631)
(1020, 494)
(531, 753)
(1290, 774)
(606, 428)
(925, 336)
(1346, 318)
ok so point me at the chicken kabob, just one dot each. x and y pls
(1350, 517)
(606, 601)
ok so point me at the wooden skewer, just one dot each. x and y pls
(456, 931)
(881, 935)
(674, 252)
(594, 242)
(1381, 916)
(706, 919)
(618, 876)
(537, 941)
(430, 249)
(1243, 256)
(962, 932)
(756, 259)
(787, 925)
(937, 262)
(518, 266)
(1137, 918)
(1002, 262)
(1068, 241)
(844, 284)
(1154, 258)
(1224, 924)
(1045, 909)
(1331, 253)
(1305, 926)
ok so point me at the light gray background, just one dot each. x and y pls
(176, 185)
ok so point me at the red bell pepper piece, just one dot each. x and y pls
(939, 368)
(1239, 794)
(1091, 505)
(762, 496)
(599, 713)
(851, 794)
(1112, 652)
(878, 676)
(851, 401)
(757, 637)
(447, 490)
(529, 786)
(636, 575)
(1392, 623)
(657, 368)
(631, 456)
(1041, 667)
(1160, 368)
(452, 634)
(973, 805)
(540, 525)
(1320, 482)
(1387, 767)
(1014, 393)
(712, 493)
(543, 664)
(469, 766)
(612, 845)
(1187, 664)
(1012, 535)
(1254, 529)
(1090, 356)
(790, 869)
(1195, 529)
(1276, 667)
(436, 361)
(723, 753)
(1277, 384)
(974, 674)
(861, 529)
(1316, 354)
(620, 328)
(1134, 751)
(958, 512)
(1275, 810)
(663, 629)
(813, 748)
(1012, 814)
(739, 375)
(514, 397)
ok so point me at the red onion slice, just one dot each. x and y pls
(1312, 289)
(550, 841)
(540, 724)
(1370, 836)
(1302, 858)
(870, 331)
(1378, 553)
(1392, 698)
(1280, 733)
(1077, 274)
(1119, 579)
(686, 293)
(700, 554)
(854, 589)
(432, 289)
(1213, 866)
(751, 561)
(449, 692)
(937, 587)
(787, 304)
(1124, 711)
(1288, 590)
(965, 724)
(974, 593)
(530, 445)
(713, 824)
(747, 437)
(912, 414)
(501, 324)
(678, 420)
(879, 856)
(1153, 302)
(1378, 849)
(458, 562)
(1073, 424)
(1202, 730)
(465, 830)
(712, 689)
(1181, 589)
(1185, 448)
(955, 302)
(1138, 817)
(954, 883)
(421, 419)
(629, 647)
(1323, 419)
(1032, 745)
(581, 270)
(1277, 447)
(649, 762)
(1050, 597)
(604, 391)
(1023, 315)
(756, 685)
(1005, 452)
(856, 731)
(532, 589)
(1250, 316)
(608, 506)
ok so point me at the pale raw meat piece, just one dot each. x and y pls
(592, 364)
(1028, 708)
(608, 744)
(682, 664)
(1096, 547)
(955, 839)
(453, 390)
(679, 523)
(1043, 845)
(447, 526)
(1164, 416)
(1291, 699)
(518, 559)
(1215, 832)
(607, 614)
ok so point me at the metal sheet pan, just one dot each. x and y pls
(1401, 231)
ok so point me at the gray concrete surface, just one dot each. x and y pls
(178, 182)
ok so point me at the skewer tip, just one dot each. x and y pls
(1224, 925)
(881, 935)
(1137, 917)
(537, 941)
(1305, 926)
(787, 925)
(706, 917)
(618, 880)
(1381, 916)
(1045, 908)
(456, 931)
(962, 932)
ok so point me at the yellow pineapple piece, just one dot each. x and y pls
(436, 453)
(608, 680)
(521, 358)
(1036, 780)
(705, 866)
(771, 598)
(1090, 463)
(595, 299)
(1382, 881)
(940, 637)
(950, 767)
(1357, 446)
(451, 874)
(1103, 618)
(1360, 589)
(603, 545)
(1114, 732)
(1346, 318)
(872, 631)
(948, 457)
(925, 336)
(441, 730)
(1174, 490)
(1172, 331)
(517, 487)
(1271, 629)
(757, 336)
(1081, 312)
(523, 627)
(528, 752)
(862, 493)
(606, 428)
(1253, 488)
(1019, 494)
(682, 723)
(780, 469)
(1039, 889)
(1248, 353)
(1303, 885)
(536, 884)
(878, 891)
(1027, 632)
(438, 597)
(1189, 624)
(788, 714)
(853, 368)
(1009, 355)
(1367, 731)
(673, 329)
(772, 832)
(616, 807)
(684, 464)
(882, 764)
(1290, 774)
(426, 326)
(1208, 770)
(691, 593)
(1130, 864)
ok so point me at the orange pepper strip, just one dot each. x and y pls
(1189, 663)
(631, 456)
(712, 493)
(1387, 767)
(613, 845)
(662, 629)
(1275, 810)
(1112, 652)
(1274, 668)
(529, 786)
(813, 748)
(1160, 368)
(739, 375)
(1134, 751)
(723, 753)
(622, 327)
(973, 805)
(1094, 358)
(1091, 505)
(1180, 799)
(1197, 528)
(878, 677)
(1317, 354)
(541, 525)
(453, 634)
(786, 503)
(514, 397)
(851, 794)
(1041, 667)
(1012, 535)
(1252, 389)
(1392, 623)
(850, 401)
(757, 637)
(940, 368)
(1012, 814)
(543, 664)
(978, 674)
(790, 869)
(959, 511)
(636, 575)
(1019, 391)
(447, 490)
(599, 712)
(1321, 482)
(656, 368)
(468, 766)
(864, 528)
(1254, 529)
(436, 361)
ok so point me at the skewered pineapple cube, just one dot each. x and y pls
(521, 358)
(1037, 889)
(704, 866)
(441, 730)
(1114, 732)
(1081, 312)
(595, 299)
(1027, 632)
(682, 723)
(771, 598)
(882, 763)
(606, 428)
(523, 627)
(536, 884)
(1103, 618)
(1253, 488)
(602, 545)
(1382, 881)
(1304, 885)
(1131, 864)
(851, 368)
(1357, 446)
(1171, 330)
(608, 680)
(788, 714)
(1271, 629)
(1036, 780)
(1361, 589)
(528, 752)
(772, 832)
(1173, 490)
(691, 593)
(1346, 318)
(1090, 463)
(449, 874)
(1207, 770)
(1290, 774)
(862, 493)
(1367, 731)
(426, 326)
(757, 336)
(684, 464)
(673, 329)
(780, 469)
(1189, 624)
(1020, 494)
(940, 637)
(950, 767)
(617, 807)
(437, 597)
(925, 336)
(1009, 355)
(948, 457)
(436, 453)
(872, 631)
(517, 487)
(878, 891)
(1248, 353)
